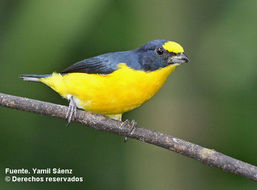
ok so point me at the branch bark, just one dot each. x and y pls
(99, 122)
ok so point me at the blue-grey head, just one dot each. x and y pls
(160, 53)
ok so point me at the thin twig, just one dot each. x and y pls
(207, 156)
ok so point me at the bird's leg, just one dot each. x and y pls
(72, 110)
(133, 125)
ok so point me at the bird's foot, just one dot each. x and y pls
(132, 125)
(72, 110)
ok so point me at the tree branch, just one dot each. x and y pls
(99, 122)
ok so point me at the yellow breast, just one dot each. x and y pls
(115, 93)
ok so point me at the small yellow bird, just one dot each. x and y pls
(117, 82)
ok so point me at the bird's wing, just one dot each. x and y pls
(94, 65)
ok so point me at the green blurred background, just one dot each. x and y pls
(211, 101)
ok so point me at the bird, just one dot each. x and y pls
(114, 83)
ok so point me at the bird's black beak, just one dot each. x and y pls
(179, 58)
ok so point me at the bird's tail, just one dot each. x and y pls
(34, 78)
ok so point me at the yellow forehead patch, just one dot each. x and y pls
(173, 47)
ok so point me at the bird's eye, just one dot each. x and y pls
(159, 51)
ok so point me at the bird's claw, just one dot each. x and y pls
(72, 110)
(133, 125)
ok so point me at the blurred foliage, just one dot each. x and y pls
(210, 101)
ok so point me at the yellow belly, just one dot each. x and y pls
(115, 93)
